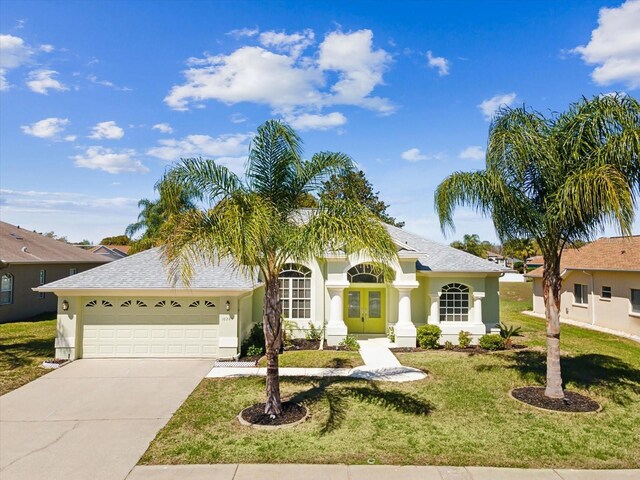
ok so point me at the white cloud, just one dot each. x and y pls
(440, 63)
(414, 155)
(100, 158)
(47, 128)
(163, 127)
(47, 48)
(70, 138)
(230, 150)
(41, 81)
(107, 130)
(14, 52)
(615, 46)
(244, 32)
(293, 44)
(238, 118)
(277, 75)
(106, 83)
(491, 106)
(309, 121)
(472, 153)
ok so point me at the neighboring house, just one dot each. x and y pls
(497, 259)
(129, 308)
(535, 262)
(27, 260)
(600, 284)
(112, 252)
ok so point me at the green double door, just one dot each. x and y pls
(365, 310)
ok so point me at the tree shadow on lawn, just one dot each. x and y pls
(19, 354)
(336, 390)
(614, 377)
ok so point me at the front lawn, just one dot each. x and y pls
(23, 348)
(317, 359)
(460, 415)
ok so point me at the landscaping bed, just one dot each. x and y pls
(471, 350)
(572, 402)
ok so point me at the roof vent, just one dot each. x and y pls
(16, 236)
(24, 250)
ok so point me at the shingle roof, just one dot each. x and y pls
(146, 271)
(435, 257)
(609, 254)
(18, 245)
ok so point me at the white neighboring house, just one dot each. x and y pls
(128, 308)
(600, 284)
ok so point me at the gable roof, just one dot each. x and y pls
(436, 257)
(608, 254)
(146, 271)
(18, 245)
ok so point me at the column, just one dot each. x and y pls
(405, 330)
(228, 341)
(68, 342)
(336, 328)
(477, 307)
(434, 314)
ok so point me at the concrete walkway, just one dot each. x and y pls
(91, 419)
(379, 364)
(367, 472)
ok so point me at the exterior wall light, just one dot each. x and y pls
(228, 305)
(65, 305)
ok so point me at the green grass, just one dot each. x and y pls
(460, 415)
(317, 359)
(23, 347)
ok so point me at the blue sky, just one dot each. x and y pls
(99, 98)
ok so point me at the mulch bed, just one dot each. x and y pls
(572, 401)
(291, 413)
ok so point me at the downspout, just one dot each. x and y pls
(593, 298)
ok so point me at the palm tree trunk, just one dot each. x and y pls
(551, 285)
(272, 326)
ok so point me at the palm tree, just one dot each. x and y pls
(256, 222)
(556, 180)
(471, 244)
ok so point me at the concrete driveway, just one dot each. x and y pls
(92, 419)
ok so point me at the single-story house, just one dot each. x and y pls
(129, 308)
(112, 252)
(29, 259)
(600, 284)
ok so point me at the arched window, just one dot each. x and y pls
(454, 303)
(6, 289)
(295, 292)
(364, 273)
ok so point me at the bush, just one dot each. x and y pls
(429, 336)
(518, 267)
(289, 327)
(391, 335)
(253, 351)
(350, 343)
(508, 331)
(254, 339)
(464, 339)
(313, 334)
(492, 342)
(448, 345)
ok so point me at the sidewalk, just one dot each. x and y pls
(366, 472)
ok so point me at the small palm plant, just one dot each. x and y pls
(257, 224)
(508, 331)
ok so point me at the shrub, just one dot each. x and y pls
(429, 336)
(253, 351)
(448, 345)
(255, 339)
(314, 334)
(508, 331)
(350, 343)
(289, 326)
(492, 342)
(518, 267)
(391, 335)
(464, 339)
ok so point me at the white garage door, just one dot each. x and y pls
(150, 327)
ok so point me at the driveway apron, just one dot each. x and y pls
(91, 419)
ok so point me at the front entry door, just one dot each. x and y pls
(365, 310)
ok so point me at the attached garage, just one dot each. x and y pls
(150, 327)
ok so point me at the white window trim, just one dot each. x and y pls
(290, 288)
(12, 279)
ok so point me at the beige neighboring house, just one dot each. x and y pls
(28, 260)
(112, 252)
(600, 284)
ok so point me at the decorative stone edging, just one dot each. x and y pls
(549, 410)
(52, 364)
(272, 427)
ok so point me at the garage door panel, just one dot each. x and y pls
(128, 330)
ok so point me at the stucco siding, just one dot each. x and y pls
(538, 300)
(26, 302)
